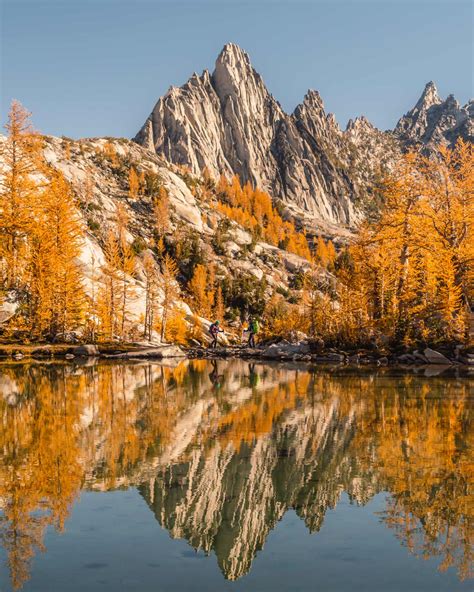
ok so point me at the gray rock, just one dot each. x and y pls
(285, 350)
(164, 351)
(406, 359)
(433, 121)
(87, 349)
(420, 357)
(434, 357)
(334, 357)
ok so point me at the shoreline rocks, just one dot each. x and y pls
(301, 350)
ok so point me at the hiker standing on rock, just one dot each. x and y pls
(214, 330)
(252, 330)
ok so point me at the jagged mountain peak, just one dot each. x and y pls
(433, 121)
(312, 115)
(313, 99)
(234, 76)
(451, 101)
(233, 63)
(429, 97)
(360, 122)
(229, 123)
(232, 55)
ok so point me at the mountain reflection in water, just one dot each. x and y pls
(221, 451)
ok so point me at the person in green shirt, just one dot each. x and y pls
(252, 330)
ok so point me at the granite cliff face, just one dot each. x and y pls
(230, 124)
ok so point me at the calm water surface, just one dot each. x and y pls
(234, 476)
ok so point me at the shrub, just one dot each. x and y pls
(93, 225)
(245, 293)
(138, 245)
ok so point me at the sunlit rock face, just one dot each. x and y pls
(229, 123)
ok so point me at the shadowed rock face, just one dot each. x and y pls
(230, 124)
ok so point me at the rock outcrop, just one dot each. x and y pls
(433, 121)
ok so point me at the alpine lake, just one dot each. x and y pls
(202, 475)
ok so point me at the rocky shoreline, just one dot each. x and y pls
(303, 351)
(89, 350)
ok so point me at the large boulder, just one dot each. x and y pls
(434, 357)
(87, 349)
(160, 352)
(182, 200)
(286, 350)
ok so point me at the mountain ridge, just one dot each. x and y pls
(229, 123)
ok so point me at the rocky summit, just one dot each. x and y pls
(229, 123)
(433, 121)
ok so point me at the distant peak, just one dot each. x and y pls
(452, 102)
(429, 96)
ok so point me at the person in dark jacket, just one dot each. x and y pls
(214, 330)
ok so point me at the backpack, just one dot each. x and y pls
(254, 327)
(213, 329)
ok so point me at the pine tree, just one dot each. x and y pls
(56, 275)
(109, 294)
(19, 190)
(151, 293)
(169, 271)
(161, 212)
(219, 307)
(126, 268)
(133, 183)
(198, 287)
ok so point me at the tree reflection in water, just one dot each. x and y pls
(220, 452)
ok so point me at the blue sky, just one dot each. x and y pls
(96, 67)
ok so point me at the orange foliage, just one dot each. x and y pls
(253, 209)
